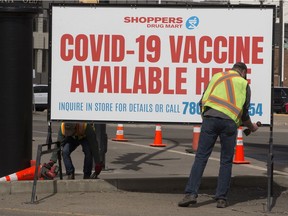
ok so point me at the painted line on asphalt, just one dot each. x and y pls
(211, 158)
(46, 212)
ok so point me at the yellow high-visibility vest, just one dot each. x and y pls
(226, 93)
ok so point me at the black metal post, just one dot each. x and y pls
(281, 23)
(16, 45)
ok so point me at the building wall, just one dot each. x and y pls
(276, 69)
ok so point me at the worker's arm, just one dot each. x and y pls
(246, 120)
(92, 141)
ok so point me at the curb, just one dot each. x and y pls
(154, 185)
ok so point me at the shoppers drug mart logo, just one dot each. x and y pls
(192, 22)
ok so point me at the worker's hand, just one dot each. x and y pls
(49, 174)
(49, 170)
(256, 126)
(49, 165)
(98, 168)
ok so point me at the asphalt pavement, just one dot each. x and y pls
(139, 179)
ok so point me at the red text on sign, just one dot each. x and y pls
(151, 80)
(189, 49)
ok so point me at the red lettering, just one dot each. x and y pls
(217, 70)
(81, 47)
(154, 80)
(108, 79)
(105, 80)
(124, 88)
(180, 80)
(175, 50)
(91, 78)
(166, 89)
(139, 80)
(220, 57)
(202, 81)
(106, 48)
(118, 48)
(243, 49)
(256, 49)
(231, 50)
(116, 79)
(65, 53)
(96, 49)
(77, 81)
(248, 72)
(205, 42)
(190, 50)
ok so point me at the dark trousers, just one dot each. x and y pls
(211, 129)
(70, 145)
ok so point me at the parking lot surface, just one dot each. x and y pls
(142, 180)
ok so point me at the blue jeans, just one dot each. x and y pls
(210, 130)
(70, 145)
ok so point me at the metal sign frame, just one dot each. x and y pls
(266, 95)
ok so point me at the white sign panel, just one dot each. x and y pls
(152, 64)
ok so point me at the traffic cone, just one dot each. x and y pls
(32, 162)
(196, 135)
(239, 151)
(26, 174)
(158, 137)
(120, 134)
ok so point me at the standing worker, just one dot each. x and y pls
(71, 135)
(224, 107)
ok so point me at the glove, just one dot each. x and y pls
(54, 170)
(49, 165)
(98, 169)
(46, 174)
(49, 174)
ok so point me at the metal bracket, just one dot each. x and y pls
(41, 152)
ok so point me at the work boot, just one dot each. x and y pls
(221, 203)
(71, 176)
(187, 200)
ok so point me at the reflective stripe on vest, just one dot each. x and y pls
(80, 129)
(63, 128)
(227, 99)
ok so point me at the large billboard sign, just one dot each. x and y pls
(152, 64)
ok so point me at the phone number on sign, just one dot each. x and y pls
(193, 108)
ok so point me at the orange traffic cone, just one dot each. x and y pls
(120, 134)
(239, 151)
(26, 174)
(196, 135)
(32, 162)
(158, 137)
